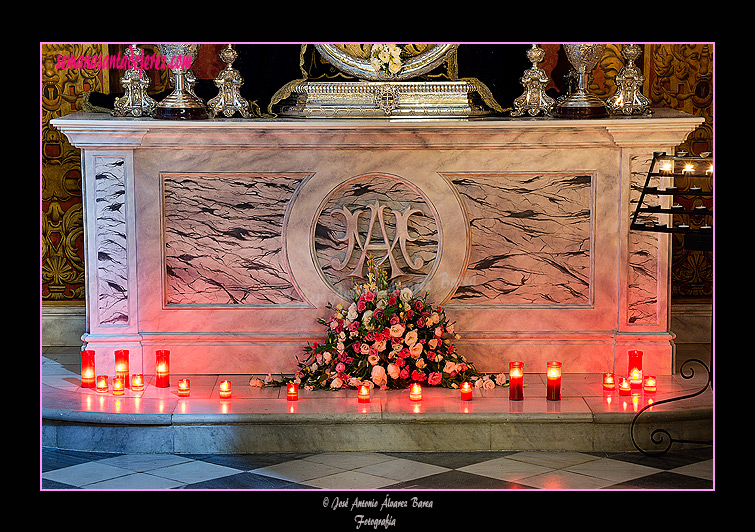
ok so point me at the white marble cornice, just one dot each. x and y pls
(93, 130)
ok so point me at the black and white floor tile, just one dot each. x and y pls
(691, 469)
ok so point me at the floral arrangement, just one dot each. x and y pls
(386, 58)
(387, 338)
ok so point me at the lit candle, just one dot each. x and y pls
(363, 395)
(516, 381)
(624, 387)
(415, 392)
(121, 365)
(137, 382)
(649, 384)
(609, 382)
(87, 369)
(553, 381)
(102, 385)
(635, 368)
(162, 368)
(292, 391)
(225, 389)
(466, 391)
(118, 386)
(184, 387)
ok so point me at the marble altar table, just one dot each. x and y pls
(222, 240)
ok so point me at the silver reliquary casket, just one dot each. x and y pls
(385, 85)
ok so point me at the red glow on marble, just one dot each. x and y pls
(516, 381)
(415, 392)
(137, 382)
(553, 381)
(363, 395)
(87, 369)
(102, 384)
(466, 391)
(225, 389)
(184, 387)
(292, 391)
(162, 368)
(609, 381)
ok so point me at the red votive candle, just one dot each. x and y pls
(184, 387)
(137, 382)
(635, 369)
(553, 381)
(121, 365)
(363, 394)
(516, 381)
(225, 389)
(87, 369)
(102, 385)
(466, 391)
(292, 391)
(119, 386)
(609, 382)
(649, 384)
(624, 386)
(162, 368)
(415, 392)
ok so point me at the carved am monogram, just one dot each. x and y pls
(353, 239)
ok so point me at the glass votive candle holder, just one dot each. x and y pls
(102, 384)
(184, 387)
(87, 369)
(225, 389)
(137, 382)
(292, 391)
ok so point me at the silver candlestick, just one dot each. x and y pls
(581, 103)
(136, 101)
(182, 103)
(229, 81)
(534, 100)
(629, 98)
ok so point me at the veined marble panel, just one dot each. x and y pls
(642, 288)
(530, 238)
(111, 241)
(223, 238)
(381, 215)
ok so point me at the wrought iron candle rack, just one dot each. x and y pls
(671, 167)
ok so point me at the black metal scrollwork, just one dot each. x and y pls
(658, 436)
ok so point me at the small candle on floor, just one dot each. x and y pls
(466, 391)
(102, 384)
(624, 386)
(609, 382)
(137, 382)
(87, 369)
(363, 395)
(415, 392)
(162, 368)
(292, 391)
(649, 384)
(225, 389)
(184, 387)
(118, 386)
(553, 381)
(516, 381)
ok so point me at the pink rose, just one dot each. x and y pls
(418, 375)
(434, 378)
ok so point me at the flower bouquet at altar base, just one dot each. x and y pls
(387, 338)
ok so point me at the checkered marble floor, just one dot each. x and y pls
(524, 470)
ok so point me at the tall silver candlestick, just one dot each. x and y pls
(181, 104)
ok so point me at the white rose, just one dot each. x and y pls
(405, 295)
(366, 317)
(393, 371)
(420, 363)
(352, 314)
(364, 349)
(394, 67)
(433, 343)
(397, 330)
(416, 350)
(336, 383)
